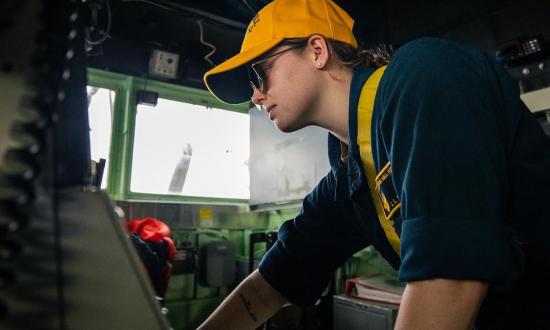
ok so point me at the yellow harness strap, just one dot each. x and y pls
(364, 119)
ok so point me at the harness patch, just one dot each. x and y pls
(386, 192)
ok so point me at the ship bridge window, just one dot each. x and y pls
(188, 147)
(190, 150)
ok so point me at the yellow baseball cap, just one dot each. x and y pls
(279, 20)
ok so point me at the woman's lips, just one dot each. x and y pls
(269, 111)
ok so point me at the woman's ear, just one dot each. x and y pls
(319, 51)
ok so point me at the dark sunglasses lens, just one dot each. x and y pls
(252, 77)
(260, 84)
(255, 78)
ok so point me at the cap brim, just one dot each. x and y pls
(229, 81)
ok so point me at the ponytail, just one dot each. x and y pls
(356, 57)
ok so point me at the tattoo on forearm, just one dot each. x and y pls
(248, 307)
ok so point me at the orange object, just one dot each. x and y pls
(277, 21)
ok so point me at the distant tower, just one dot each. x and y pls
(180, 173)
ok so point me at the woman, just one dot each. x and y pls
(428, 156)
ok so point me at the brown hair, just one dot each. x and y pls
(350, 56)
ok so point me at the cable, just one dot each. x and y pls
(150, 3)
(228, 23)
(252, 10)
(207, 56)
(210, 232)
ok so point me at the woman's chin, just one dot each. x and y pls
(285, 127)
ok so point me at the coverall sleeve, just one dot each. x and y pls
(446, 139)
(312, 246)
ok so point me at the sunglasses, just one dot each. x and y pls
(257, 75)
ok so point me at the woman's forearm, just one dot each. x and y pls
(440, 304)
(247, 307)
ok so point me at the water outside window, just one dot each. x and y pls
(100, 114)
(191, 150)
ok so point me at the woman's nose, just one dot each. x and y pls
(258, 97)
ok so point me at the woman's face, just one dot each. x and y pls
(291, 88)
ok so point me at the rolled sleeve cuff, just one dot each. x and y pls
(468, 250)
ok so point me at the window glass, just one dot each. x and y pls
(100, 114)
(190, 150)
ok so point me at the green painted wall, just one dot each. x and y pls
(187, 312)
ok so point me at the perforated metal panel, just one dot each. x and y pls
(356, 314)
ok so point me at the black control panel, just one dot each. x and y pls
(527, 58)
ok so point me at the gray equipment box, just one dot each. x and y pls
(217, 263)
(358, 314)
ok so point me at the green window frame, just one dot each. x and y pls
(123, 130)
